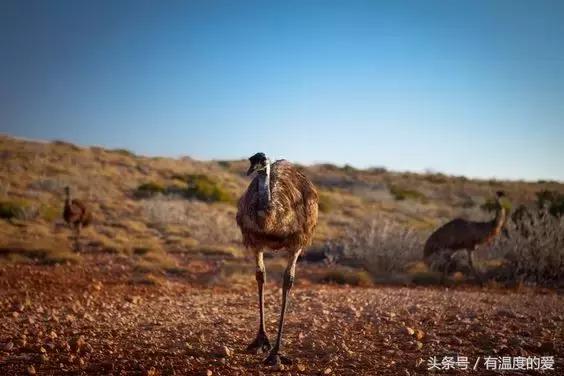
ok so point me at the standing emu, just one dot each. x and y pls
(76, 215)
(277, 212)
(462, 234)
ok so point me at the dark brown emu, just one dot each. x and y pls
(460, 234)
(277, 212)
(76, 215)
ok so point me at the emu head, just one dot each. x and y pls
(499, 195)
(259, 162)
(67, 191)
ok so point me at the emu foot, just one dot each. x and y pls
(275, 359)
(260, 345)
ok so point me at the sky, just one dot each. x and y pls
(471, 88)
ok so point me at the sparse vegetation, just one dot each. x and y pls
(552, 200)
(346, 276)
(49, 213)
(149, 189)
(124, 152)
(533, 252)
(206, 189)
(44, 252)
(400, 193)
(18, 209)
(173, 204)
(382, 247)
(326, 203)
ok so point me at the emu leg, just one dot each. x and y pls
(275, 358)
(446, 266)
(474, 271)
(261, 343)
(77, 238)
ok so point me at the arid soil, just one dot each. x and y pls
(96, 319)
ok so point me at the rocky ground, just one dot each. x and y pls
(97, 319)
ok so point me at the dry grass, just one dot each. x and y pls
(383, 247)
(533, 252)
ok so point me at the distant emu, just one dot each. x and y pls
(76, 215)
(462, 234)
(277, 212)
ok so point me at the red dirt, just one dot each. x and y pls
(92, 319)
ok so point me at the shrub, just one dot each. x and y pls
(165, 211)
(149, 189)
(554, 201)
(49, 184)
(8, 209)
(50, 213)
(326, 203)
(404, 193)
(125, 152)
(377, 170)
(534, 250)
(346, 276)
(66, 144)
(18, 209)
(224, 164)
(349, 169)
(436, 178)
(203, 188)
(382, 247)
(205, 224)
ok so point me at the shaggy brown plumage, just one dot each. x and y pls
(277, 212)
(461, 234)
(290, 220)
(76, 215)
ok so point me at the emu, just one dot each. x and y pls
(76, 215)
(461, 234)
(277, 212)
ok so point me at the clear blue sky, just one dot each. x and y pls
(464, 87)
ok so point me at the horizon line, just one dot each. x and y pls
(426, 171)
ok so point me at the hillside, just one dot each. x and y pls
(185, 205)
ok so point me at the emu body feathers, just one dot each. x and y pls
(291, 215)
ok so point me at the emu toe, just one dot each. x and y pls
(260, 345)
(275, 359)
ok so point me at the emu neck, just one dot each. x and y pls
(499, 219)
(67, 199)
(264, 188)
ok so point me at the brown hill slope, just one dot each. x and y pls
(143, 205)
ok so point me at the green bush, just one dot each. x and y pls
(19, 209)
(349, 169)
(404, 193)
(224, 164)
(149, 189)
(8, 209)
(437, 178)
(347, 277)
(124, 152)
(203, 188)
